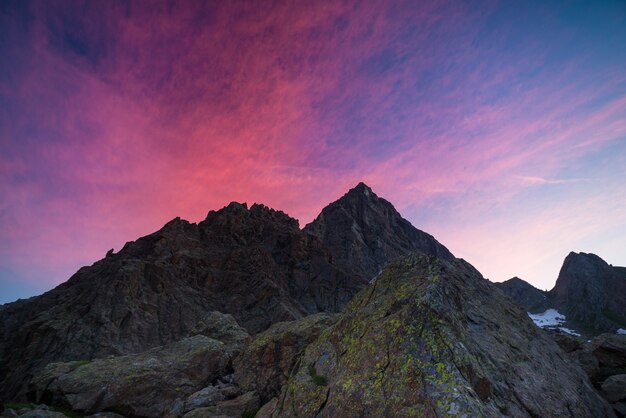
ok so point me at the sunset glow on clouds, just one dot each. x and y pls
(499, 128)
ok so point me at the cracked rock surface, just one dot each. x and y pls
(432, 338)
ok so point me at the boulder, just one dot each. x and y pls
(602, 357)
(430, 337)
(267, 360)
(242, 406)
(614, 388)
(222, 327)
(145, 384)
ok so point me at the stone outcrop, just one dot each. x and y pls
(364, 233)
(430, 337)
(254, 263)
(138, 385)
(269, 358)
(604, 360)
(591, 293)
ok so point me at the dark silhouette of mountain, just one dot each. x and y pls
(529, 297)
(589, 292)
(254, 263)
(365, 232)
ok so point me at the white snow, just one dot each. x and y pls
(621, 331)
(552, 319)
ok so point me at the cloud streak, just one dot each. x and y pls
(116, 117)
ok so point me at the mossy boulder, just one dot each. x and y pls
(267, 360)
(432, 338)
(140, 385)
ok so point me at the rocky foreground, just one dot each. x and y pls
(253, 263)
(358, 315)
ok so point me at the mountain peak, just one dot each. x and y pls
(361, 188)
(365, 230)
(532, 299)
(590, 292)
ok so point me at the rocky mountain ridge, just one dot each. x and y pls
(589, 292)
(432, 338)
(254, 263)
(357, 314)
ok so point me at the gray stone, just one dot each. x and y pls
(145, 384)
(614, 388)
(430, 337)
(267, 360)
(208, 396)
(248, 402)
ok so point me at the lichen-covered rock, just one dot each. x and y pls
(222, 389)
(145, 384)
(267, 360)
(224, 328)
(432, 338)
(42, 413)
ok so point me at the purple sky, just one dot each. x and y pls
(498, 127)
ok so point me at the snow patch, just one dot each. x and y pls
(621, 331)
(552, 319)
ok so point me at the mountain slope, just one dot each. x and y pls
(254, 263)
(432, 338)
(529, 297)
(591, 293)
(365, 232)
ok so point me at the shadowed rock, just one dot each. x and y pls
(432, 338)
(254, 263)
(267, 360)
(527, 296)
(364, 233)
(591, 293)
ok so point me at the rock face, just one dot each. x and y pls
(139, 385)
(604, 360)
(153, 383)
(268, 359)
(365, 232)
(254, 263)
(432, 338)
(591, 293)
(529, 297)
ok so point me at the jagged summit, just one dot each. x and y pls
(360, 188)
(252, 262)
(365, 230)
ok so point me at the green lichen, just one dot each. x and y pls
(317, 379)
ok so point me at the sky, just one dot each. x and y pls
(497, 127)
